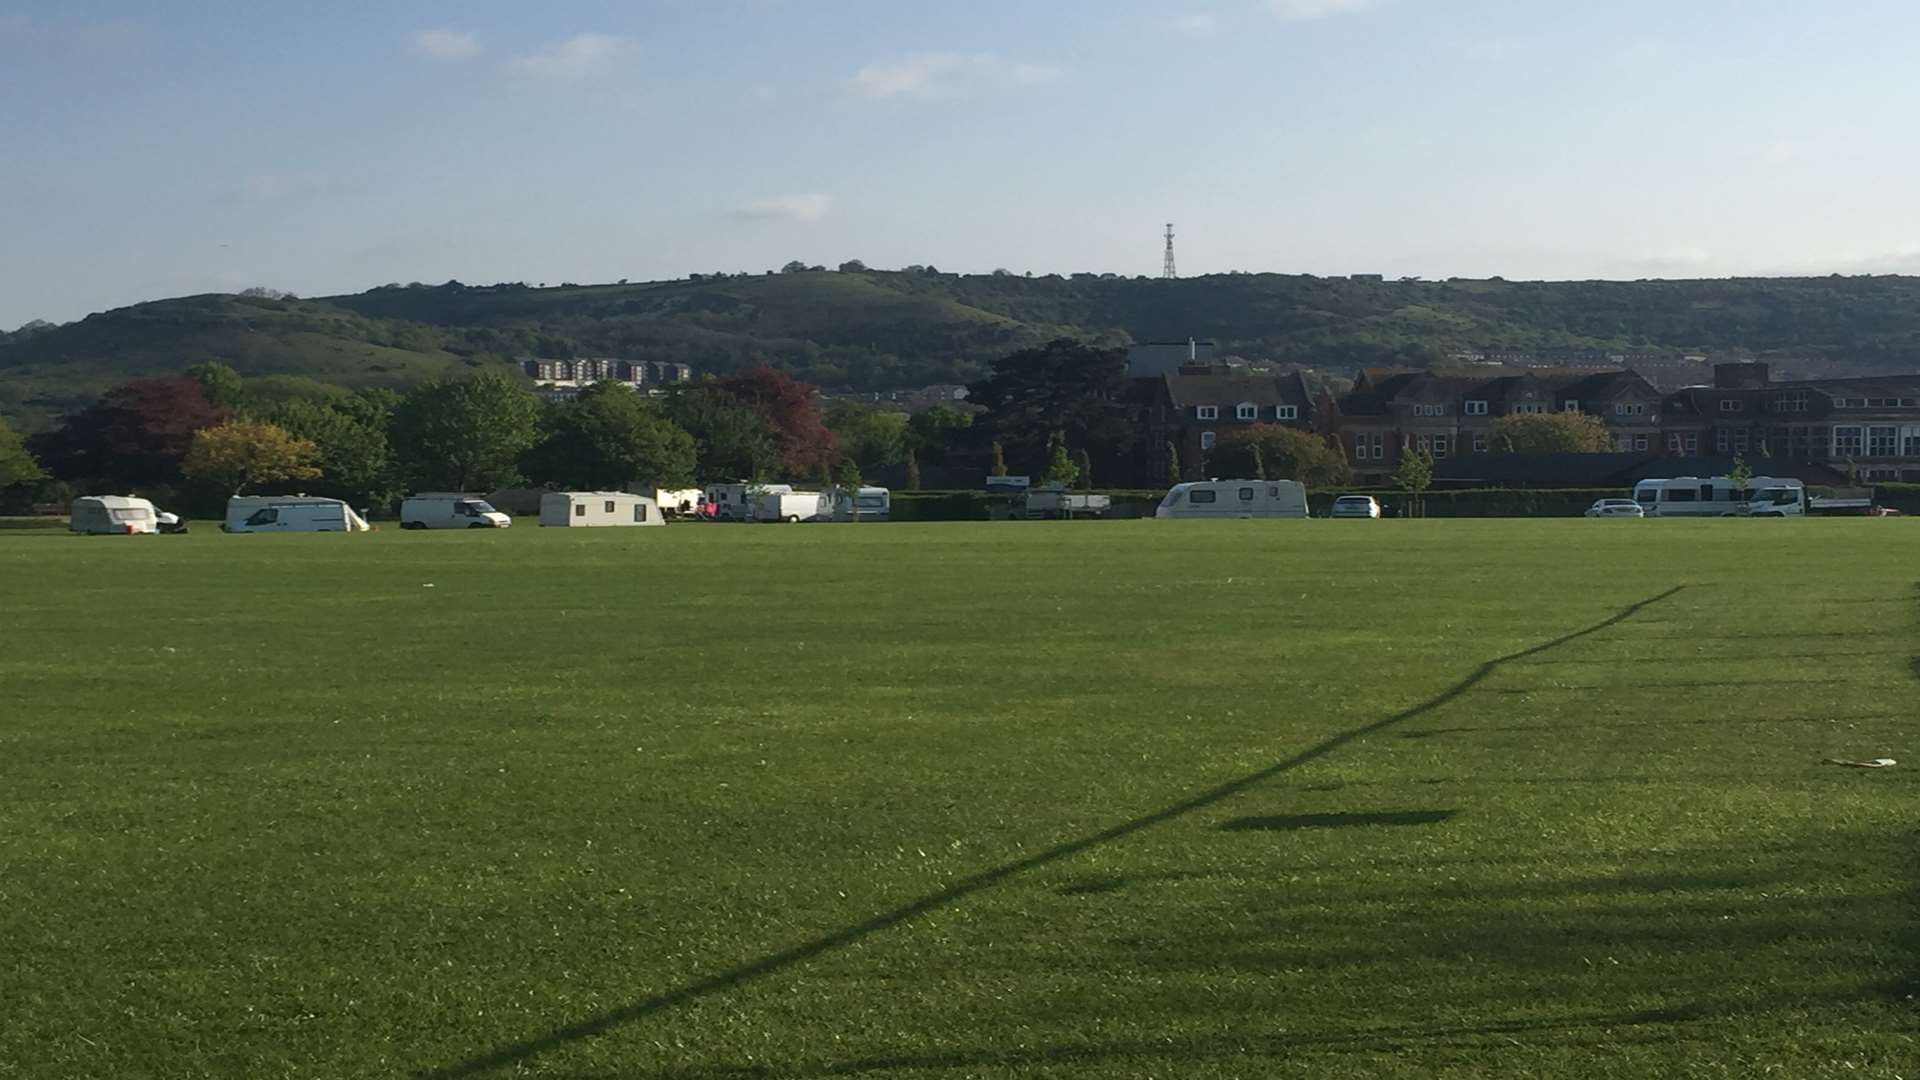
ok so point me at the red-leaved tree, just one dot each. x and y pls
(792, 411)
(135, 435)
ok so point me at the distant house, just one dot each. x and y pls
(1871, 425)
(1196, 406)
(564, 379)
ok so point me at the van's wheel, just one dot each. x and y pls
(412, 525)
(478, 525)
(793, 519)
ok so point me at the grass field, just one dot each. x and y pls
(1240, 799)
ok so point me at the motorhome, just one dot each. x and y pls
(872, 504)
(290, 513)
(441, 510)
(595, 509)
(1235, 499)
(792, 506)
(674, 502)
(118, 515)
(736, 502)
(1719, 496)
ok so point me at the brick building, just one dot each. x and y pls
(1199, 404)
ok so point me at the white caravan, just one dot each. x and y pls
(290, 513)
(116, 515)
(1718, 496)
(736, 502)
(1235, 499)
(791, 506)
(675, 502)
(874, 504)
(441, 510)
(595, 509)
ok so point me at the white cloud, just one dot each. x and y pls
(947, 74)
(1295, 10)
(1780, 152)
(805, 206)
(575, 58)
(446, 45)
(1197, 25)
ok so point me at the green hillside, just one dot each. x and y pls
(874, 330)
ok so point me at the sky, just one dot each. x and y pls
(158, 148)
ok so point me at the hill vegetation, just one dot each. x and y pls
(871, 330)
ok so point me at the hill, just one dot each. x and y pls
(870, 330)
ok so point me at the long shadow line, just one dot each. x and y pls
(986, 879)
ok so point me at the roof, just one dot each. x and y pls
(1186, 391)
(1378, 388)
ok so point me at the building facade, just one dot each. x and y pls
(562, 379)
(1196, 406)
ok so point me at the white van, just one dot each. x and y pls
(1717, 496)
(118, 515)
(1235, 499)
(792, 506)
(290, 513)
(597, 509)
(440, 510)
(736, 502)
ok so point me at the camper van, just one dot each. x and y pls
(119, 515)
(1235, 499)
(290, 513)
(1693, 496)
(674, 502)
(438, 510)
(597, 509)
(792, 506)
(736, 502)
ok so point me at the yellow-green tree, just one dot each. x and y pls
(1551, 433)
(241, 453)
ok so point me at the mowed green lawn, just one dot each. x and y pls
(1170, 799)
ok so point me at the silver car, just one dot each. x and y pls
(1616, 508)
(1355, 506)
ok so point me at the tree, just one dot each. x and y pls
(1271, 451)
(16, 465)
(1414, 476)
(1083, 464)
(610, 436)
(873, 437)
(937, 428)
(1063, 386)
(913, 470)
(792, 412)
(467, 433)
(794, 267)
(1740, 474)
(731, 442)
(999, 460)
(222, 385)
(134, 436)
(1551, 433)
(849, 480)
(853, 266)
(1173, 463)
(355, 456)
(240, 454)
(1060, 467)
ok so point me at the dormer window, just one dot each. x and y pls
(1206, 412)
(1429, 410)
(1570, 405)
(1286, 412)
(1246, 410)
(1476, 408)
(1730, 405)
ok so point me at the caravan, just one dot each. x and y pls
(737, 502)
(595, 509)
(119, 515)
(290, 513)
(1235, 499)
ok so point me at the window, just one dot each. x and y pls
(1693, 442)
(1528, 407)
(609, 506)
(1849, 403)
(1681, 495)
(1479, 442)
(1623, 444)
(1570, 405)
(1883, 441)
(1629, 408)
(1730, 405)
(1792, 401)
(1246, 410)
(1206, 412)
(1476, 408)
(1429, 410)
(1206, 440)
(1640, 443)
(264, 517)
(1883, 403)
(640, 512)
(1441, 445)
(579, 509)
(1200, 496)
(1740, 441)
(1846, 442)
(1286, 412)
(1910, 442)
(1673, 442)
(1246, 494)
(1369, 446)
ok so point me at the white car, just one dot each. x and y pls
(1616, 508)
(1355, 506)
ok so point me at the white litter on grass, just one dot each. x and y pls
(1876, 763)
(427, 585)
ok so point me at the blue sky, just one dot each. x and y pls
(160, 148)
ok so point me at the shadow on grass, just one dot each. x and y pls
(721, 982)
(1296, 822)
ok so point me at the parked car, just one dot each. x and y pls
(1355, 506)
(1616, 508)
